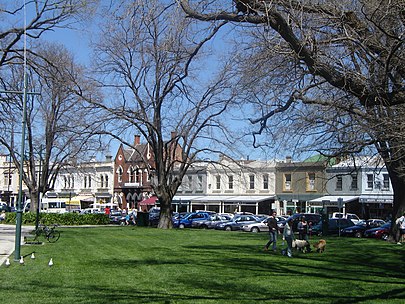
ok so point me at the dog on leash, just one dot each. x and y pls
(301, 245)
(320, 246)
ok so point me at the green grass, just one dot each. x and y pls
(145, 265)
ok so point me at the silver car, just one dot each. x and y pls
(256, 226)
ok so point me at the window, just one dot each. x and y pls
(8, 179)
(138, 175)
(311, 182)
(72, 183)
(65, 182)
(386, 181)
(230, 182)
(251, 181)
(265, 181)
(370, 181)
(218, 182)
(199, 182)
(106, 181)
(353, 185)
(287, 182)
(131, 174)
(190, 183)
(119, 174)
(101, 181)
(339, 183)
(87, 181)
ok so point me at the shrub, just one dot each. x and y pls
(66, 219)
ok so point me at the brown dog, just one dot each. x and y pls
(320, 246)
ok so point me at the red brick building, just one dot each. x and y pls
(132, 174)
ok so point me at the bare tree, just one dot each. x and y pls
(60, 128)
(41, 16)
(333, 70)
(156, 61)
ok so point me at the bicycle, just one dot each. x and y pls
(49, 233)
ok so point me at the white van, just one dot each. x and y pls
(350, 216)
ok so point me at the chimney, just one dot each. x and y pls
(108, 158)
(173, 134)
(288, 159)
(137, 140)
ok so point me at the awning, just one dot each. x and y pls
(223, 198)
(376, 199)
(75, 200)
(333, 199)
(184, 198)
(250, 199)
(149, 201)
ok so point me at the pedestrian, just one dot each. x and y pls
(303, 230)
(3, 216)
(401, 227)
(273, 230)
(288, 236)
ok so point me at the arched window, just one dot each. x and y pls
(101, 181)
(119, 173)
(131, 174)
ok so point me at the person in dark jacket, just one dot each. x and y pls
(303, 229)
(273, 230)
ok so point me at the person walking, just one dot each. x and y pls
(401, 227)
(303, 229)
(273, 230)
(288, 236)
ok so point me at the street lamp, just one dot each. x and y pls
(21, 171)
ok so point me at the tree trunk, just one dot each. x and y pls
(165, 221)
(34, 201)
(398, 186)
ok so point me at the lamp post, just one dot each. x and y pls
(21, 171)
(39, 188)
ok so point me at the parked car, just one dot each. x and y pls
(313, 218)
(116, 217)
(358, 230)
(256, 227)
(90, 211)
(334, 225)
(381, 232)
(237, 222)
(5, 207)
(350, 216)
(186, 222)
(211, 222)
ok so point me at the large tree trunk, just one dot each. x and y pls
(165, 221)
(398, 186)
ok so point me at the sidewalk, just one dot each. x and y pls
(7, 240)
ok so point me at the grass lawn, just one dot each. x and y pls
(147, 265)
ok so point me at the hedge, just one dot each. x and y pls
(66, 219)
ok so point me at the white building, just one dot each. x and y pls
(87, 184)
(228, 186)
(362, 185)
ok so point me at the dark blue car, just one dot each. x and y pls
(186, 221)
(358, 230)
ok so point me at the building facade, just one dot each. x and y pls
(297, 183)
